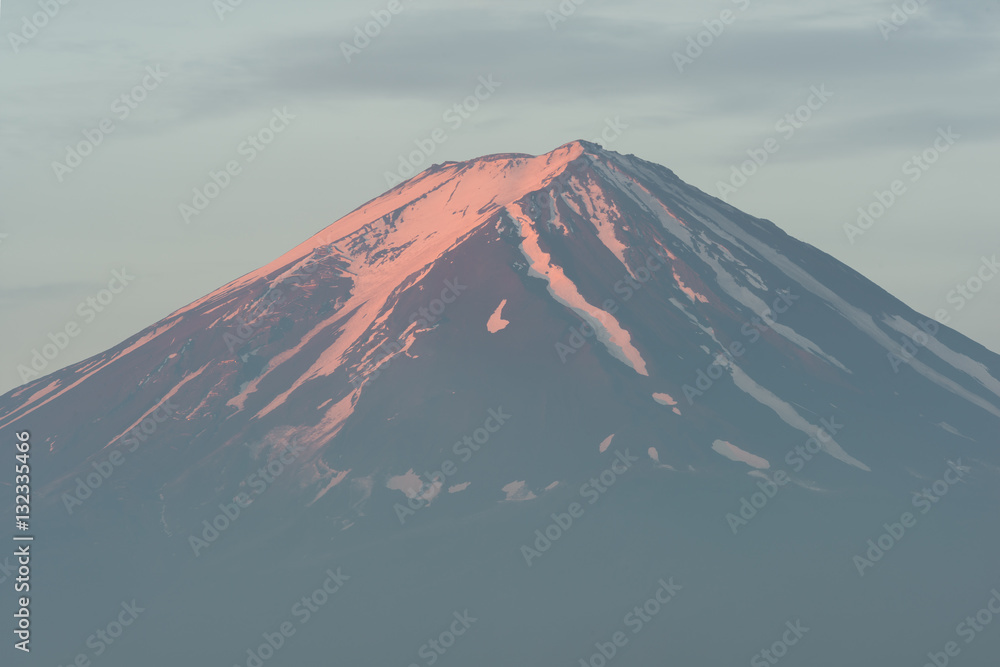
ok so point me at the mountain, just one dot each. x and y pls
(499, 415)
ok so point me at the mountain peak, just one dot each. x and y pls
(584, 145)
(459, 196)
(561, 155)
(579, 237)
(431, 379)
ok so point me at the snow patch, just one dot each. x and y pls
(951, 429)
(956, 360)
(497, 323)
(610, 333)
(409, 483)
(788, 415)
(664, 399)
(691, 294)
(734, 453)
(517, 491)
(336, 477)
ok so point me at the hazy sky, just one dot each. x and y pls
(65, 229)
